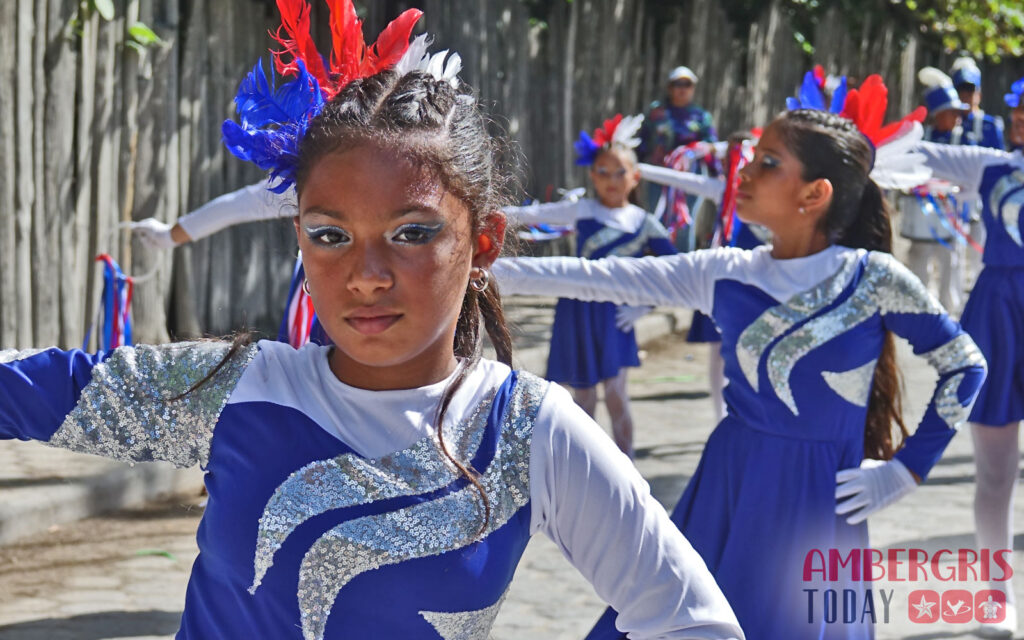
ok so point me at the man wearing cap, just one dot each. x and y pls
(673, 122)
(923, 218)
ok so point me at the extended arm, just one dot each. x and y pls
(563, 212)
(961, 164)
(589, 499)
(692, 183)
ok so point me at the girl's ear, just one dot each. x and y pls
(298, 229)
(490, 239)
(817, 195)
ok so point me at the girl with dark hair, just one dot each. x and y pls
(807, 450)
(994, 316)
(384, 487)
(594, 342)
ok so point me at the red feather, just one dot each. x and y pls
(603, 135)
(819, 75)
(349, 47)
(391, 44)
(917, 115)
(296, 41)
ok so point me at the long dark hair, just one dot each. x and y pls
(832, 147)
(442, 129)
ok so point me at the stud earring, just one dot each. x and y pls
(802, 211)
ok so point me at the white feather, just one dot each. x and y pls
(417, 58)
(932, 77)
(965, 63)
(626, 133)
(413, 55)
(897, 166)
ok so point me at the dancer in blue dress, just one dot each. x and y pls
(384, 487)
(807, 328)
(589, 343)
(994, 317)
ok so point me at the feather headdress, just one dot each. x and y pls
(616, 132)
(896, 165)
(272, 120)
(811, 94)
(1015, 98)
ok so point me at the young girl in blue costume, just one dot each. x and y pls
(806, 451)
(384, 487)
(589, 345)
(994, 317)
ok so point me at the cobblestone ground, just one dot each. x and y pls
(123, 576)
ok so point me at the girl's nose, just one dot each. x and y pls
(370, 272)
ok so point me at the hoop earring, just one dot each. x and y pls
(305, 286)
(481, 282)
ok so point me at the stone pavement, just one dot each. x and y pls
(71, 584)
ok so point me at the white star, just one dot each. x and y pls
(924, 608)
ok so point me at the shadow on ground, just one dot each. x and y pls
(96, 626)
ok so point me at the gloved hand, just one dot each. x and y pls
(874, 485)
(154, 233)
(626, 316)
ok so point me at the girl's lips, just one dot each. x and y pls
(372, 325)
(740, 195)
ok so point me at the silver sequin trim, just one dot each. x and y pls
(349, 480)
(948, 405)
(885, 287)
(464, 625)
(958, 353)
(10, 355)
(126, 411)
(854, 385)
(1010, 213)
(601, 239)
(1003, 186)
(777, 320)
(424, 529)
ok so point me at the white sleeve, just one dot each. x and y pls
(692, 183)
(683, 280)
(589, 499)
(961, 164)
(248, 204)
(561, 212)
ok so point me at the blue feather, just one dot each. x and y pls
(839, 96)
(586, 149)
(792, 104)
(810, 93)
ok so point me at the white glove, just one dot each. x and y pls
(874, 485)
(154, 233)
(626, 316)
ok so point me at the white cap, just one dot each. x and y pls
(679, 73)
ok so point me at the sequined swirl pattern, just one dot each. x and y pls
(1009, 212)
(885, 287)
(130, 410)
(781, 318)
(601, 239)
(12, 355)
(349, 480)
(464, 625)
(426, 528)
(854, 385)
(948, 405)
(958, 353)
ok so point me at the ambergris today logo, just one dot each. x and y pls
(839, 583)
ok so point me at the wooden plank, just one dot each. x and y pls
(25, 170)
(8, 177)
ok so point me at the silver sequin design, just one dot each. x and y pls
(854, 385)
(777, 320)
(12, 355)
(1010, 213)
(349, 480)
(958, 353)
(1003, 186)
(886, 286)
(126, 412)
(608, 235)
(464, 625)
(427, 528)
(948, 405)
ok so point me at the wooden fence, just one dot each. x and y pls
(94, 134)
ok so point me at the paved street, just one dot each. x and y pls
(123, 576)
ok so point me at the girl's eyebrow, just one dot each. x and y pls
(408, 209)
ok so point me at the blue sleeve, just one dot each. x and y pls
(135, 404)
(659, 242)
(992, 133)
(919, 319)
(39, 389)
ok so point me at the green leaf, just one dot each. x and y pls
(157, 552)
(104, 7)
(139, 48)
(143, 35)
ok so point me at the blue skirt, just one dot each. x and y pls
(994, 316)
(586, 346)
(757, 505)
(702, 329)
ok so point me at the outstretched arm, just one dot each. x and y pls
(683, 280)
(132, 403)
(248, 204)
(588, 498)
(562, 212)
(692, 183)
(961, 164)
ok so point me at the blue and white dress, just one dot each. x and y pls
(332, 512)
(994, 314)
(586, 346)
(800, 340)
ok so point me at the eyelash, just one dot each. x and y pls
(769, 163)
(323, 235)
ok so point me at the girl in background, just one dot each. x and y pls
(589, 343)
(806, 451)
